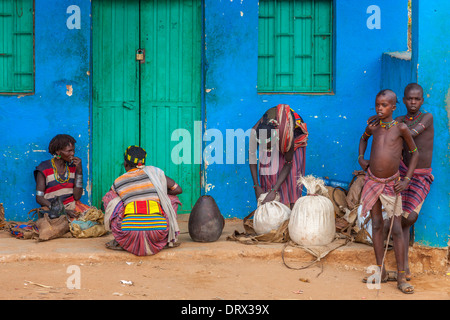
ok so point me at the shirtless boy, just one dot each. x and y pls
(383, 184)
(421, 128)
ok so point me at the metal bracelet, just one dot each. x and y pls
(39, 193)
(79, 181)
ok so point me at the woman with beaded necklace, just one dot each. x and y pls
(62, 175)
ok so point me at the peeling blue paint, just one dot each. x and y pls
(28, 123)
(431, 53)
(335, 121)
(231, 101)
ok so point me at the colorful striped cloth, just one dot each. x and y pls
(418, 187)
(380, 188)
(52, 187)
(289, 191)
(134, 185)
(143, 215)
(144, 222)
(138, 242)
(291, 128)
(143, 207)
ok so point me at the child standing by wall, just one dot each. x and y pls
(383, 183)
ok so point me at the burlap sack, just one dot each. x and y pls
(249, 237)
(52, 228)
(22, 230)
(89, 225)
(97, 230)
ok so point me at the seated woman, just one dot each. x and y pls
(140, 208)
(61, 176)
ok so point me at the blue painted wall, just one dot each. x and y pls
(28, 123)
(335, 122)
(431, 62)
(396, 75)
(428, 65)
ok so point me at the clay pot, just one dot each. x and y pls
(205, 221)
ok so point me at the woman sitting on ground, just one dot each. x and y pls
(141, 207)
(61, 176)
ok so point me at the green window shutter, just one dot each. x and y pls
(16, 46)
(295, 46)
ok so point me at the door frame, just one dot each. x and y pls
(202, 180)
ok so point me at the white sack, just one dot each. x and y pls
(269, 216)
(312, 220)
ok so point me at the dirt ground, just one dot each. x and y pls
(245, 279)
(224, 270)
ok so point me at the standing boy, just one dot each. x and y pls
(421, 128)
(383, 183)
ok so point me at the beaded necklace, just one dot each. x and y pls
(416, 119)
(55, 173)
(388, 125)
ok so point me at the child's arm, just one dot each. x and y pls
(412, 148)
(363, 146)
(426, 122)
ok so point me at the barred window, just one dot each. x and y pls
(16, 46)
(295, 46)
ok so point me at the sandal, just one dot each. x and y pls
(113, 245)
(392, 276)
(406, 288)
(386, 279)
(172, 245)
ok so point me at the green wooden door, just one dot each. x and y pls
(115, 112)
(151, 99)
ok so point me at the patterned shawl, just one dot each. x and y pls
(287, 121)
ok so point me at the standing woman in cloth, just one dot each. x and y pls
(141, 207)
(281, 128)
(61, 176)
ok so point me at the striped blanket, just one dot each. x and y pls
(380, 188)
(418, 188)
